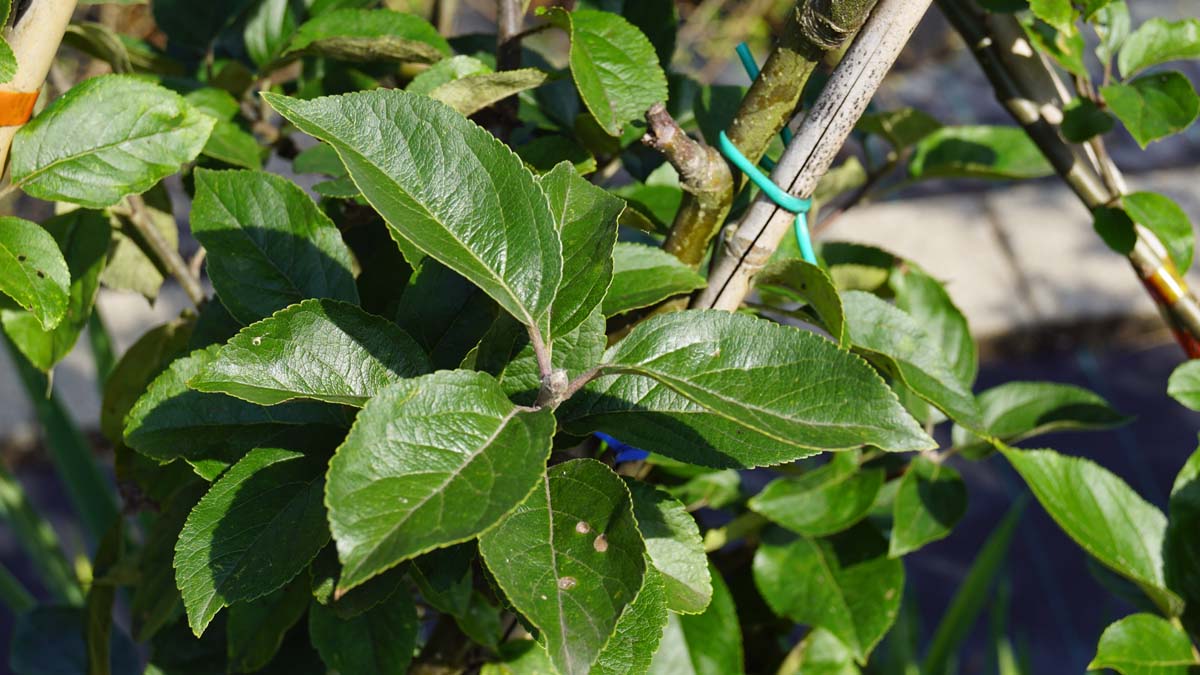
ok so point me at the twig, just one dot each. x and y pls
(750, 245)
(166, 254)
(509, 18)
(34, 40)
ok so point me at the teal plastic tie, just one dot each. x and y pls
(785, 201)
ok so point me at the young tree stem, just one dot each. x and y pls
(825, 128)
(1030, 90)
(166, 254)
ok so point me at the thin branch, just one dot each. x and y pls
(824, 130)
(166, 254)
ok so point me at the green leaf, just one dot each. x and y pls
(645, 275)
(418, 470)
(1162, 216)
(586, 218)
(444, 313)
(326, 570)
(472, 93)
(33, 271)
(1144, 644)
(1159, 41)
(973, 595)
(674, 548)
(370, 35)
(1083, 120)
(1103, 515)
(1058, 13)
(520, 657)
(720, 390)
(1153, 106)
(544, 153)
(1015, 411)
(140, 364)
(445, 71)
(445, 578)
(269, 26)
(1064, 46)
(614, 66)
(570, 559)
(902, 128)
(269, 245)
(378, 641)
(107, 137)
(156, 600)
(1112, 23)
(1180, 552)
(83, 238)
(819, 653)
(256, 628)
(639, 629)
(702, 644)
(925, 299)
(130, 265)
(1184, 384)
(845, 584)
(447, 186)
(932, 498)
(319, 349)
(978, 152)
(897, 344)
(257, 527)
(1115, 227)
(805, 282)
(170, 420)
(823, 501)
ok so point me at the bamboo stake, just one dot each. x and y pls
(34, 40)
(822, 133)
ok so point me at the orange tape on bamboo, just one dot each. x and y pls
(16, 107)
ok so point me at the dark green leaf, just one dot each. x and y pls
(319, 349)
(1015, 411)
(1181, 552)
(107, 137)
(823, 501)
(83, 237)
(170, 420)
(1145, 644)
(544, 153)
(614, 66)
(1162, 216)
(520, 657)
(845, 584)
(645, 275)
(1159, 40)
(896, 343)
(978, 152)
(448, 187)
(802, 281)
(268, 244)
(326, 570)
(256, 628)
(156, 599)
(720, 390)
(507, 353)
(257, 527)
(418, 470)
(445, 578)
(33, 271)
(444, 313)
(1153, 106)
(1184, 384)
(379, 641)
(586, 217)
(1103, 515)
(1082, 120)
(674, 548)
(570, 559)
(1115, 227)
(140, 364)
(370, 35)
(639, 629)
(702, 644)
(932, 498)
